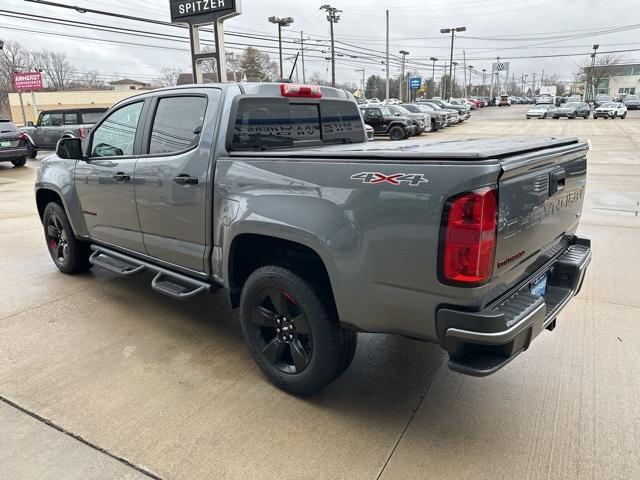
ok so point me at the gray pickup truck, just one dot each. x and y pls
(52, 125)
(272, 192)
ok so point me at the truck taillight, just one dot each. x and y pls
(83, 132)
(22, 136)
(469, 238)
(304, 91)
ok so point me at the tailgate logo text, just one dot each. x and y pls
(374, 178)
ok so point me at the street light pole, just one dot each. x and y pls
(404, 54)
(452, 31)
(433, 76)
(281, 22)
(593, 64)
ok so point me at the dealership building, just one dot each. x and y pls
(625, 79)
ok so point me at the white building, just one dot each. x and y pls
(128, 84)
(625, 79)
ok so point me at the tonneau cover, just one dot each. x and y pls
(463, 149)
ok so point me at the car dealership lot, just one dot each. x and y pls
(135, 385)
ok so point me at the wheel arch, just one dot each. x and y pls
(250, 251)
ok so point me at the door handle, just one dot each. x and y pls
(185, 179)
(121, 177)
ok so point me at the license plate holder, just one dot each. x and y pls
(539, 286)
(5, 144)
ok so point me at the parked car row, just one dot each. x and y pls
(401, 121)
(573, 110)
(19, 144)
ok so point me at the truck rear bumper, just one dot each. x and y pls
(480, 343)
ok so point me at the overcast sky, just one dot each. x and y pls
(525, 28)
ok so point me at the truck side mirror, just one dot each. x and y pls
(69, 149)
(30, 124)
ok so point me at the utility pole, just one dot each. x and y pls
(464, 71)
(363, 81)
(433, 76)
(333, 17)
(304, 77)
(443, 87)
(387, 58)
(452, 31)
(453, 81)
(404, 54)
(534, 83)
(281, 22)
(470, 67)
(484, 82)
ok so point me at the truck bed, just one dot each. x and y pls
(459, 149)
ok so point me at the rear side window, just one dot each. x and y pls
(270, 122)
(89, 118)
(177, 124)
(71, 119)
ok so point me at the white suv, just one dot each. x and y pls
(611, 110)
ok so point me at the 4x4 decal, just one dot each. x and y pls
(373, 178)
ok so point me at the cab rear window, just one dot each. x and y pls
(264, 123)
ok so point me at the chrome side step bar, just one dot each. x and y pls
(172, 284)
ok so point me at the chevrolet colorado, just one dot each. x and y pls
(272, 192)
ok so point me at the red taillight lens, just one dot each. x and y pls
(22, 136)
(470, 238)
(305, 91)
(83, 132)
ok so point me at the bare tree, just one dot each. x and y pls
(91, 79)
(13, 58)
(60, 73)
(169, 76)
(554, 79)
(606, 65)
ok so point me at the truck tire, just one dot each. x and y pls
(68, 253)
(397, 133)
(291, 333)
(19, 162)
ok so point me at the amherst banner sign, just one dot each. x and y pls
(27, 81)
(198, 12)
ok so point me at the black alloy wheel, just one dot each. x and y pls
(397, 133)
(69, 254)
(57, 240)
(282, 331)
(291, 327)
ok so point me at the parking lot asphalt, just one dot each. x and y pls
(100, 377)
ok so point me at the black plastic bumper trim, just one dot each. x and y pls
(481, 343)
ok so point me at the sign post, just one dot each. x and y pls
(201, 12)
(25, 82)
(415, 83)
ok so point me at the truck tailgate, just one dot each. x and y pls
(540, 202)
